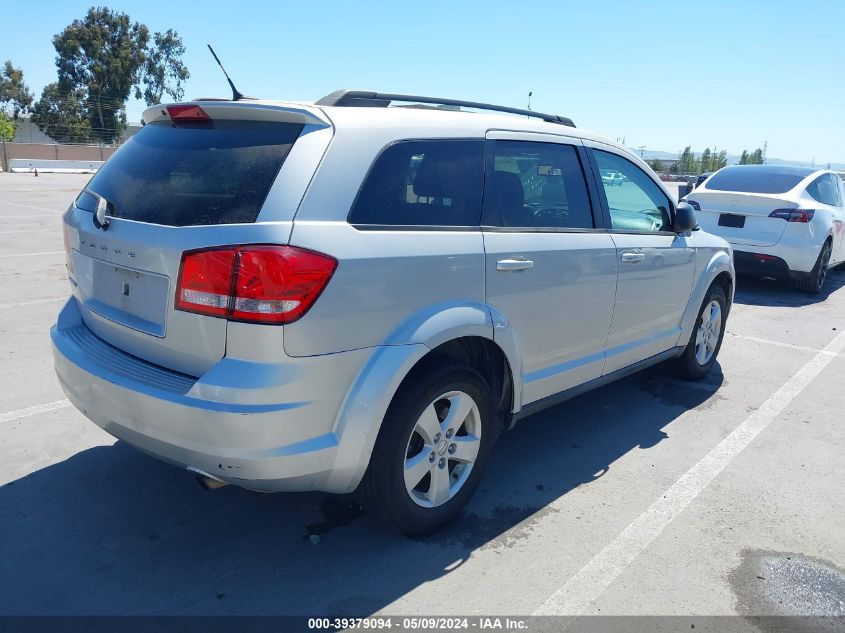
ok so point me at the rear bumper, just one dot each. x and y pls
(271, 432)
(781, 261)
(765, 265)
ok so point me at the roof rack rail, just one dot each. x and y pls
(366, 98)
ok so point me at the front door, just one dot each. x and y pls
(549, 270)
(656, 266)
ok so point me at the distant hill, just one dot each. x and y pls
(733, 159)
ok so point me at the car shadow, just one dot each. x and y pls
(783, 294)
(112, 531)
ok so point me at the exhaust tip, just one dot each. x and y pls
(208, 483)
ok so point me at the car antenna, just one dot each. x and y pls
(236, 95)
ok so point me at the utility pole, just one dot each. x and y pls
(531, 92)
(641, 148)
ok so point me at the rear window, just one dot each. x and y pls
(187, 175)
(756, 179)
(423, 183)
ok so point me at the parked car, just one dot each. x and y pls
(701, 178)
(322, 297)
(782, 221)
(612, 178)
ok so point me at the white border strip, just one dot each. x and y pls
(580, 591)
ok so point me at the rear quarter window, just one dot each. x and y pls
(423, 183)
(199, 174)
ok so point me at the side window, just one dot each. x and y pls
(537, 185)
(825, 189)
(423, 183)
(636, 203)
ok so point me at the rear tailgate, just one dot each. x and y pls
(746, 218)
(178, 186)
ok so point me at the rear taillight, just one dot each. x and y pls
(793, 215)
(258, 283)
(187, 114)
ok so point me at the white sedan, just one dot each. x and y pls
(782, 221)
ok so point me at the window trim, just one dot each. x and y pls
(419, 227)
(605, 207)
(580, 154)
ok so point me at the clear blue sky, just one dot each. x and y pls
(663, 75)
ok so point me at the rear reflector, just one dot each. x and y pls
(793, 215)
(68, 252)
(257, 283)
(187, 114)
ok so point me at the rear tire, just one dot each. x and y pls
(700, 353)
(814, 282)
(438, 432)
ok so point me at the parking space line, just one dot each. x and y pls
(29, 206)
(3, 216)
(4, 256)
(582, 589)
(33, 302)
(766, 341)
(53, 230)
(38, 408)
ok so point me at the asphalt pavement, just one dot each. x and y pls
(651, 496)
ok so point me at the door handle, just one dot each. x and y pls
(515, 263)
(632, 257)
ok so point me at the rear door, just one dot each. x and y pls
(656, 266)
(177, 185)
(550, 268)
(826, 191)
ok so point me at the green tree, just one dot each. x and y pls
(687, 163)
(104, 58)
(15, 95)
(721, 160)
(756, 157)
(62, 116)
(656, 164)
(743, 159)
(7, 127)
(164, 71)
(705, 160)
(102, 55)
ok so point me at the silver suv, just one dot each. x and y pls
(345, 296)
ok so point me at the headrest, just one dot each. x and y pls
(440, 176)
(509, 188)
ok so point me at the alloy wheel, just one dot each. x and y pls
(709, 329)
(442, 449)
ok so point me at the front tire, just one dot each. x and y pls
(430, 454)
(706, 341)
(814, 282)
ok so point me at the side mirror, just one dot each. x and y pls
(685, 218)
